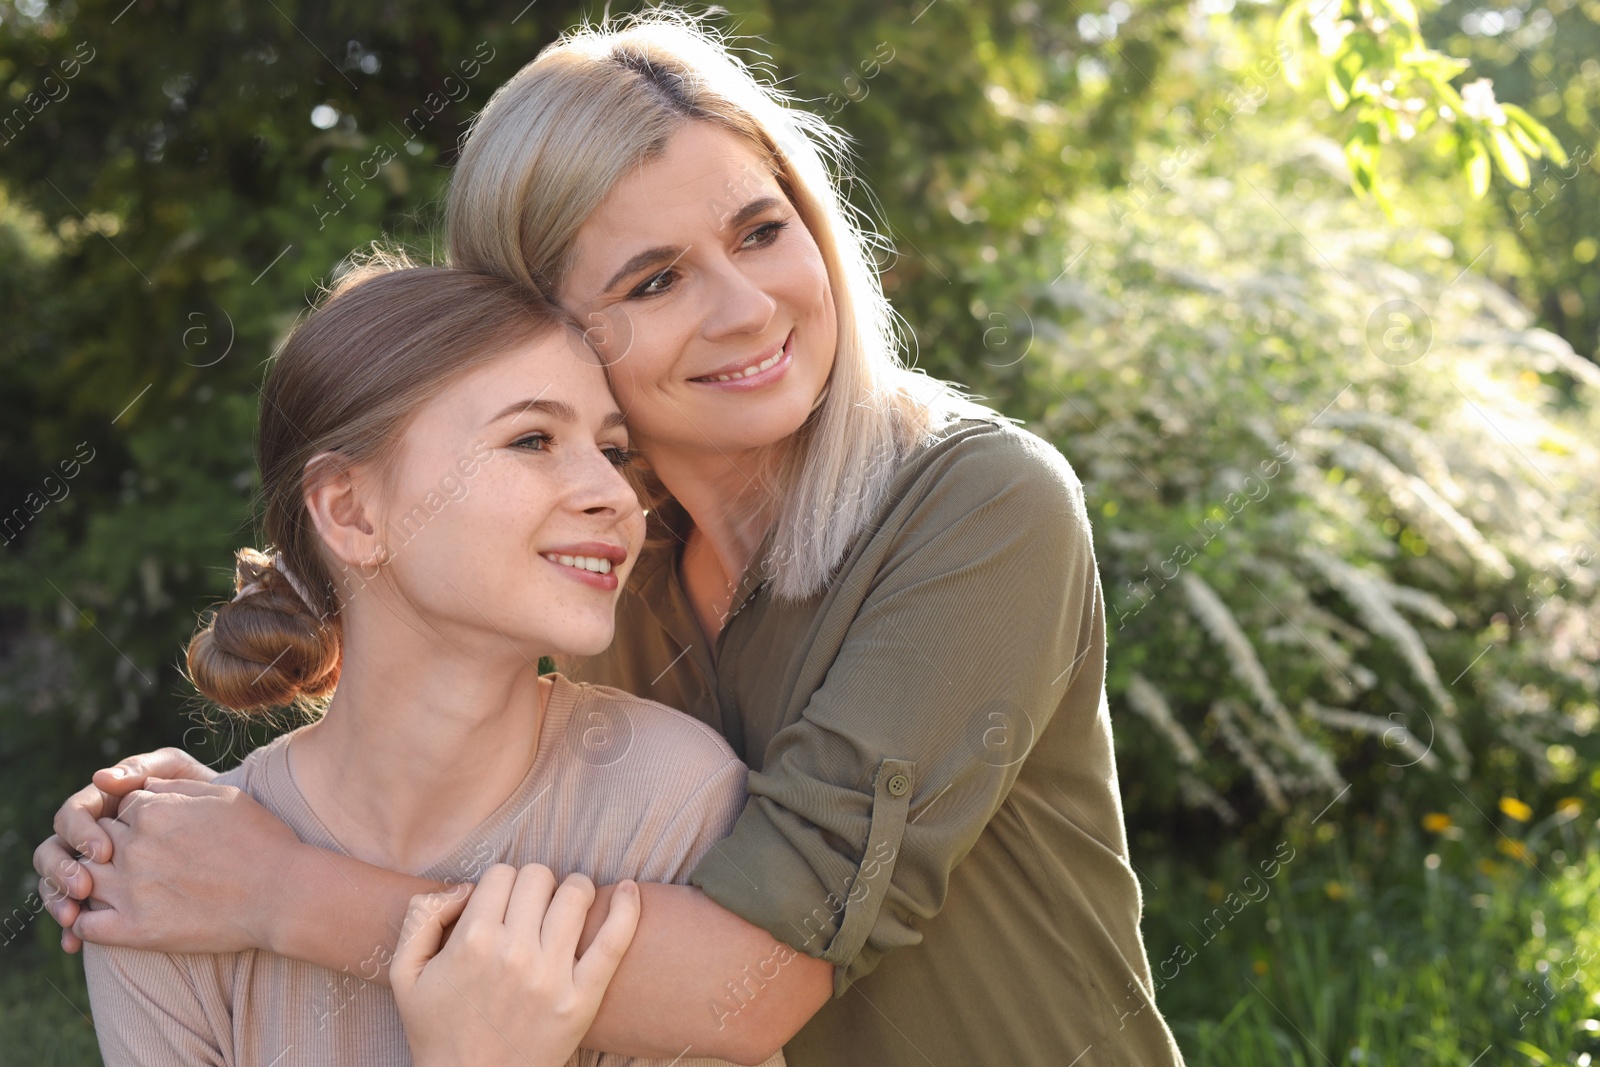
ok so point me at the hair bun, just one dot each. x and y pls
(267, 647)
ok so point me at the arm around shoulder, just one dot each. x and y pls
(698, 977)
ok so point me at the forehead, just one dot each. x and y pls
(693, 185)
(556, 364)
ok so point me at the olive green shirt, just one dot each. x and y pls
(933, 796)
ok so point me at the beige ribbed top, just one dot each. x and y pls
(621, 787)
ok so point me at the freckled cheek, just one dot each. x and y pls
(507, 509)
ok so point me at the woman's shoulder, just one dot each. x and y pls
(255, 774)
(607, 724)
(971, 459)
(266, 776)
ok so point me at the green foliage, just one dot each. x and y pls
(1393, 86)
(1341, 488)
(44, 1010)
(1339, 478)
(1544, 237)
(1378, 944)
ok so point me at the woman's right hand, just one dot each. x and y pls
(184, 866)
(509, 986)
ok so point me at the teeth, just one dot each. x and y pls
(757, 368)
(582, 563)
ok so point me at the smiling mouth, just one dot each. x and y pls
(749, 370)
(593, 564)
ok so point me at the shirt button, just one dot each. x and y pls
(899, 785)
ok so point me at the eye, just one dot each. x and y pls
(764, 234)
(533, 442)
(619, 455)
(654, 285)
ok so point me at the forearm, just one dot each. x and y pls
(340, 913)
(700, 979)
(697, 977)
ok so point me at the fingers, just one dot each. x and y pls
(487, 905)
(61, 907)
(563, 921)
(103, 926)
(118, 833)
(132, 772)
(134, 804)
(75, 822)
(594, 971)
(530, 900)
(423, 933)
(187, 786)
(64, 910)
(111, 890)
(61, 875)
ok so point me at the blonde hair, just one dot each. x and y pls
(387, 338)
(552, 142)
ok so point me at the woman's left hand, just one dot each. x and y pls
(509, 986)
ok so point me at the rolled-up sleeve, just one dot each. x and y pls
(976, 607)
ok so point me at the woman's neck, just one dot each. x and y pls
(423, 740)
(728, 497)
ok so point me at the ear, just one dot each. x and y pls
(339, 500)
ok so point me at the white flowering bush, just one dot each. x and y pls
(1343, 491)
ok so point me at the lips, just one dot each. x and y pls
(749, 368)
(589, 561)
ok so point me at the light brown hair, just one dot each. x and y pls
(387, 338)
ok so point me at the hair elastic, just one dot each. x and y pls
(280, 565)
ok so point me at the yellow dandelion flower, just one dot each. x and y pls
(1488, 867)
(1335, 891)
(1569, 806)
(1516, 809)
(1260, 967)
(1515, 849)
(1436, 822)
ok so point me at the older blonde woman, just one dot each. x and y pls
(884, 597)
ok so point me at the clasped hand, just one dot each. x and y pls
(169, 859)
(508, 986)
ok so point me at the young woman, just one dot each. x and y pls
(883, 597)
(432, 542)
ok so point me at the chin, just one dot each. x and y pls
(585, 642)
(778, 423)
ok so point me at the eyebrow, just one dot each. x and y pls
(758, 206)
(651, 256)
(648, 258)
(559, 410)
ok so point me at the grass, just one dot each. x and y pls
(1371, 943)
(1384, 945)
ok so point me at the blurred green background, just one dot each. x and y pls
(1335, 415)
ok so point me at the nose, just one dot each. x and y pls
(599, 487)
(739, 305)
